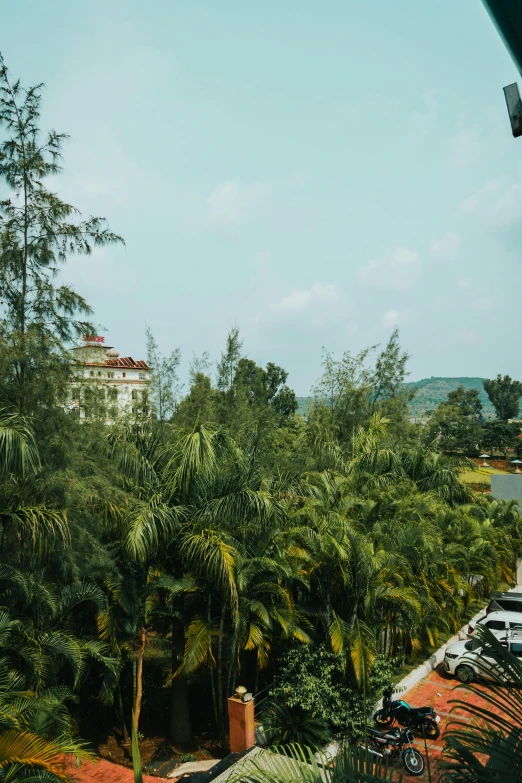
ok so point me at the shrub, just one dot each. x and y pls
(311, 682)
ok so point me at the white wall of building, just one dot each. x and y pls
(120, 389)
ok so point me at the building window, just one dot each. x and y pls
(123, 375)
(92, 374)
(134, 394)
(110, 375)
(142, 376)
(99, 374)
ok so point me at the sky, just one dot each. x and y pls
(314, 172)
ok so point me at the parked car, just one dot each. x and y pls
(506, 602)
(501, 624)
(467, 661)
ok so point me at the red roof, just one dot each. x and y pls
(127, 362)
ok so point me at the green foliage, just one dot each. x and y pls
(285, 725)
(430, 392)
(218, 538)
(504, 394)
(313, 685)
(227, 365)
(499, 434)
(456, 422)
(38, 231)
(350, 391)
(467, 400)
(164, 386)
(296, 764)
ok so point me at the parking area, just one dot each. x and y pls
(438, 690)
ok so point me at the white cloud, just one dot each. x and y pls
(465, 147)
(230, 204)
(298, 299)
(464, 284)
(446, 249)
(498, 203)
(396, 271)
(326, 292)
(483, 304)
(391, 319)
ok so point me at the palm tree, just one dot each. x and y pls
(25, 518)
(38, 651)
(35, 728)
(200, 496)
(295, 764)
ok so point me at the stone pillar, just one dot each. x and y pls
(241, 722)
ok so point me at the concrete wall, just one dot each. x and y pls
(507, 487)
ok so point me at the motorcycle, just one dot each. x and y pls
(413, 718)
(392, 744)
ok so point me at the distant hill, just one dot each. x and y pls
(432, 391)
(429, 393)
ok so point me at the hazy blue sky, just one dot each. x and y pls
(313, 172)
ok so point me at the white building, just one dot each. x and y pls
(106, 383)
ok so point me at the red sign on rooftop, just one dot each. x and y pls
(93, 338)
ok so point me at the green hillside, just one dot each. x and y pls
(430, 392)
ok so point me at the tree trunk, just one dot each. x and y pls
(212, 672)
(139, 677)
(122, 714)
(221, 726)
(180, 727)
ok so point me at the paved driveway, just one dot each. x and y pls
(437, 691)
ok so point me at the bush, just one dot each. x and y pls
(286, 725)
(311, 682)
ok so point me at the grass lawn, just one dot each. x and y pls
(479, 476)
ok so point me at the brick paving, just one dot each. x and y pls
(437, 690)
(103, 771)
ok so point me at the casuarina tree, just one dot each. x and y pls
(38, 231)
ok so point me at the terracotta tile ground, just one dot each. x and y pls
(437, 691)
(103, 772)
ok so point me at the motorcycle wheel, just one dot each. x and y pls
(413, 761)
(383, 718)
(431, 729)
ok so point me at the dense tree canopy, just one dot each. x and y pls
(217, 537)
(504, 394)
